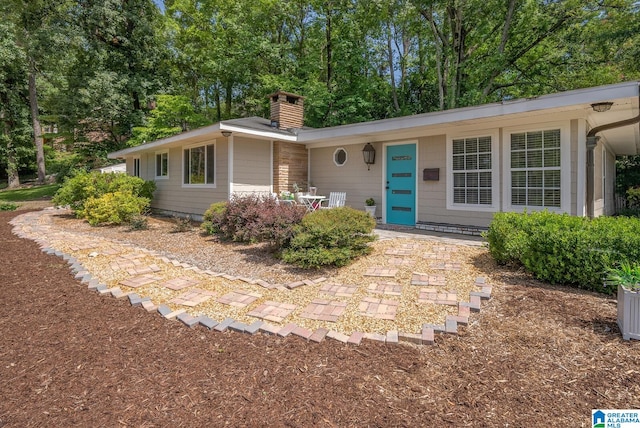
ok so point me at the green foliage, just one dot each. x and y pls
(253, 218)
(29, 193)
(370, 202)
(172, 115)
(330, 237)
(83, 186)
(8, 206)
(627, 173)
(213, 217)
(625, 274)
(139, 222)
(114, 208)
(181, 224)
(633, 197)
(565, 249)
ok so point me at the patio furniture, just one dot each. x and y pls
(336, 199)
(311, 202)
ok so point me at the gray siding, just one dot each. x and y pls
(432, 195)
(352, 177)
(252, 168)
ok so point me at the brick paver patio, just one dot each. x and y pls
(139, 281)
(179, 283)
(192, 297)
(273, 311)
(324, 310)
(431, 295)
(338, 290)
(147, 267)
(388, 288)
(239, 298)
(428, 279)
(378, 308)
(381, 272)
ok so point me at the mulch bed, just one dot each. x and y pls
(535, 355)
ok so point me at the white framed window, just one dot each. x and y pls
(537, 168)
(198, 165)
(340, 156)
(472, 172)
(162, 164)
(136, 167)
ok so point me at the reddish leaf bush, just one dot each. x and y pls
(254, 218)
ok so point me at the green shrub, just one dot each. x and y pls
(8, 206)
(114, 208)
(564, 249)
(213, 217)
(139, 222)
(181, 224)
(253, 218)
(330, 237)
(82, 186)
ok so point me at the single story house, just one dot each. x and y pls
(452, 168)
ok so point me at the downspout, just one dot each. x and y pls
(592, 142)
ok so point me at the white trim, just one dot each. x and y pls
(155, 164)
(495, 172)
(271, 166)
(256, 133)
(215, 166)
(133, 173)
(230, 165)
(569, 100)
(581, 168)
(346, 157)
(384, 177)
(565, 166)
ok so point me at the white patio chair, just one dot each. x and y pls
(336, 199)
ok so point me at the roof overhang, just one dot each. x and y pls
(559, 106)
(563, 105)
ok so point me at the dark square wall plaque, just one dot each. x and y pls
(431, 174)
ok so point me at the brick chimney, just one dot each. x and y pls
(286, 110)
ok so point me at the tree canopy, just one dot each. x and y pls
(110, 73)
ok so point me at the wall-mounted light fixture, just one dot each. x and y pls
(369, 154)
(601, 107)
(226, 134)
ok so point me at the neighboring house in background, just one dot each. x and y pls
(450, 167)
(119, 167)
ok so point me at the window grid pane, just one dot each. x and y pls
(472, 179)
(535, 168)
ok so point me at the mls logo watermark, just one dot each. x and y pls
(615, 418)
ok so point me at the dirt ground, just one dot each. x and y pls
(535, 355)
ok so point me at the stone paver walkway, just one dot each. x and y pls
(378, 296)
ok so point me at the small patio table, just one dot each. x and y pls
(311, 202)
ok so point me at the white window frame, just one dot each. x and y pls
(346, 156)
(136, 167)
(495, 172)
(215, 166)
(155, 165)
(565, 166)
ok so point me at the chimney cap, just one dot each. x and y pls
(289, 94)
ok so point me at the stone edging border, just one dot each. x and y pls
(426, 337)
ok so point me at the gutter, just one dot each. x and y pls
(592, 142)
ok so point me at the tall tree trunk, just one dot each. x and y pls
(35, 120)
(13, 179)
(394, 92)
(329, 48)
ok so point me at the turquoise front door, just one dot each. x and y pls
(401, 184)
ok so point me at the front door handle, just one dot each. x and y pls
(387, 187)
